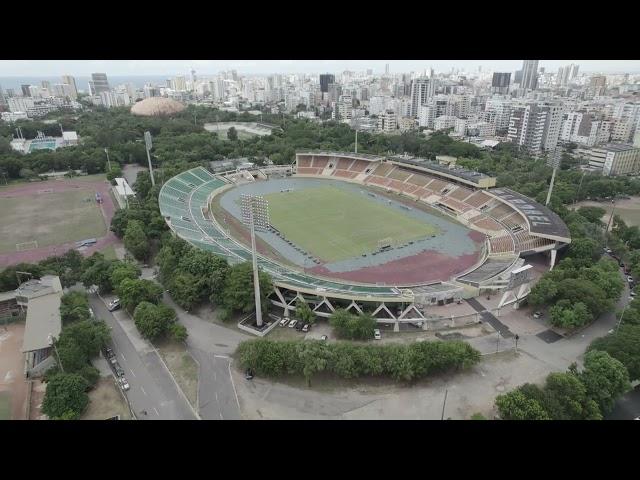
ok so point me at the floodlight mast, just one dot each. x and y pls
(256, 278)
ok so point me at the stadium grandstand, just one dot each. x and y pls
(514, 226)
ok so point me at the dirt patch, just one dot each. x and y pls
(105, 401)
(13, 387)
(183, 368)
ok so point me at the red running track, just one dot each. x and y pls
(107, 207)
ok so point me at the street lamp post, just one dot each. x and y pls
(444, 404)
(517, 337)
(621, 317)
(52, 343)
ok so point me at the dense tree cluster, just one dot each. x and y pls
(351, 326)
(74, 307)
(573, 395)
(348, 360)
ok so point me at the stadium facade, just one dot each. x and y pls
(514, 226)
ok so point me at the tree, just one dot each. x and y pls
(178, 332)
(120, 271)
(565, 398)
(354, 327)
(97, 271)
(624, 346)
(605, 379)
(74, 307)
(232, 134)
(238, 292)
(566, 315)
(135, 240)
(153, 321)
(517, 406)
(134, 291)
(65, 397)
(304, 313)
(184, 290)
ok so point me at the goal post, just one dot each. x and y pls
(21, 247)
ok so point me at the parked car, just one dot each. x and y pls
(113, 361)
(124, 384)
(538, 315)
(306, 327)
(119, 371)
(299, 326)
(248, 374)
(283, 322)
(376, 334)
(91, 313)
(114, 304)
(324, 338)
(630, 279)
(109, 353)
(632, 293)
(292, 323)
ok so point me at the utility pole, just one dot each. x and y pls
(579, 186)
(106, 150)
(444, 404)
(149, 145)
(621, 316)
(606, 232)
(356, 138)
(553, 178)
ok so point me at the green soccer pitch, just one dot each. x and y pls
(333, 224)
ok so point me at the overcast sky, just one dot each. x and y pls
(259, 67)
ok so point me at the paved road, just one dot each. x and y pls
(152, 388)
(211, 345)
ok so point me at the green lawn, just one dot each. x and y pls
(334, 224)
(5, 406)
(50, 219)
(109, 253)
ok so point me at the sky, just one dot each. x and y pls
(261, 67)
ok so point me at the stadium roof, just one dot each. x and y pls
(363, 156)
(462, 173)
(542, 221)
(157, 106)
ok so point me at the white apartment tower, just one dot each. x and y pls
(536, 126)
(422, 89)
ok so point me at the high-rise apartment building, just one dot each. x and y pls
(73, 89)
(99, 83)
(529, 75)
(25, 90)
(387, 121)
(334, 90)
(422, 89)
(325, 80)
(536, 126)
(500, 83)
(179, 83)
(615, 159)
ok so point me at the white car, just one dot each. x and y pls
(292, 324)
(629, 279)
(283, 322)
(324, 338)
(632, 293)
(376, 334)
(124, 384)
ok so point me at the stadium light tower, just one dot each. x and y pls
(255, 214)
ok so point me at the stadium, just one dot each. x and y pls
(383, 234)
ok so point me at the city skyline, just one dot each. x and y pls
(17, 68)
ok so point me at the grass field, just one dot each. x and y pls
(183, 368)
(50, 219)
(5, 406)
(105, 401)
(334, 224)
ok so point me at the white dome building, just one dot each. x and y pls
(157, 106)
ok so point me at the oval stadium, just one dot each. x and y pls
(385, 234)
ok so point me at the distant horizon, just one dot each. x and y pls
(141, 68)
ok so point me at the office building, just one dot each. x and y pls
(179, 84)
(325, 80)
(500, 83)
(615, 159)
(99, 83)
(529, 75)
(25, 90)
(334, 91)
(535, 126)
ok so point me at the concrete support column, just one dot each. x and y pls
(396, 327)
(553, 259)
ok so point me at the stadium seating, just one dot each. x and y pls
(359, 166)
(383, 169)
(490, 268)
(501, 244)
(460, 193)
(399, 174)
(477, 199)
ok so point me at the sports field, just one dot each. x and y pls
(334, 224)
(50, 218)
